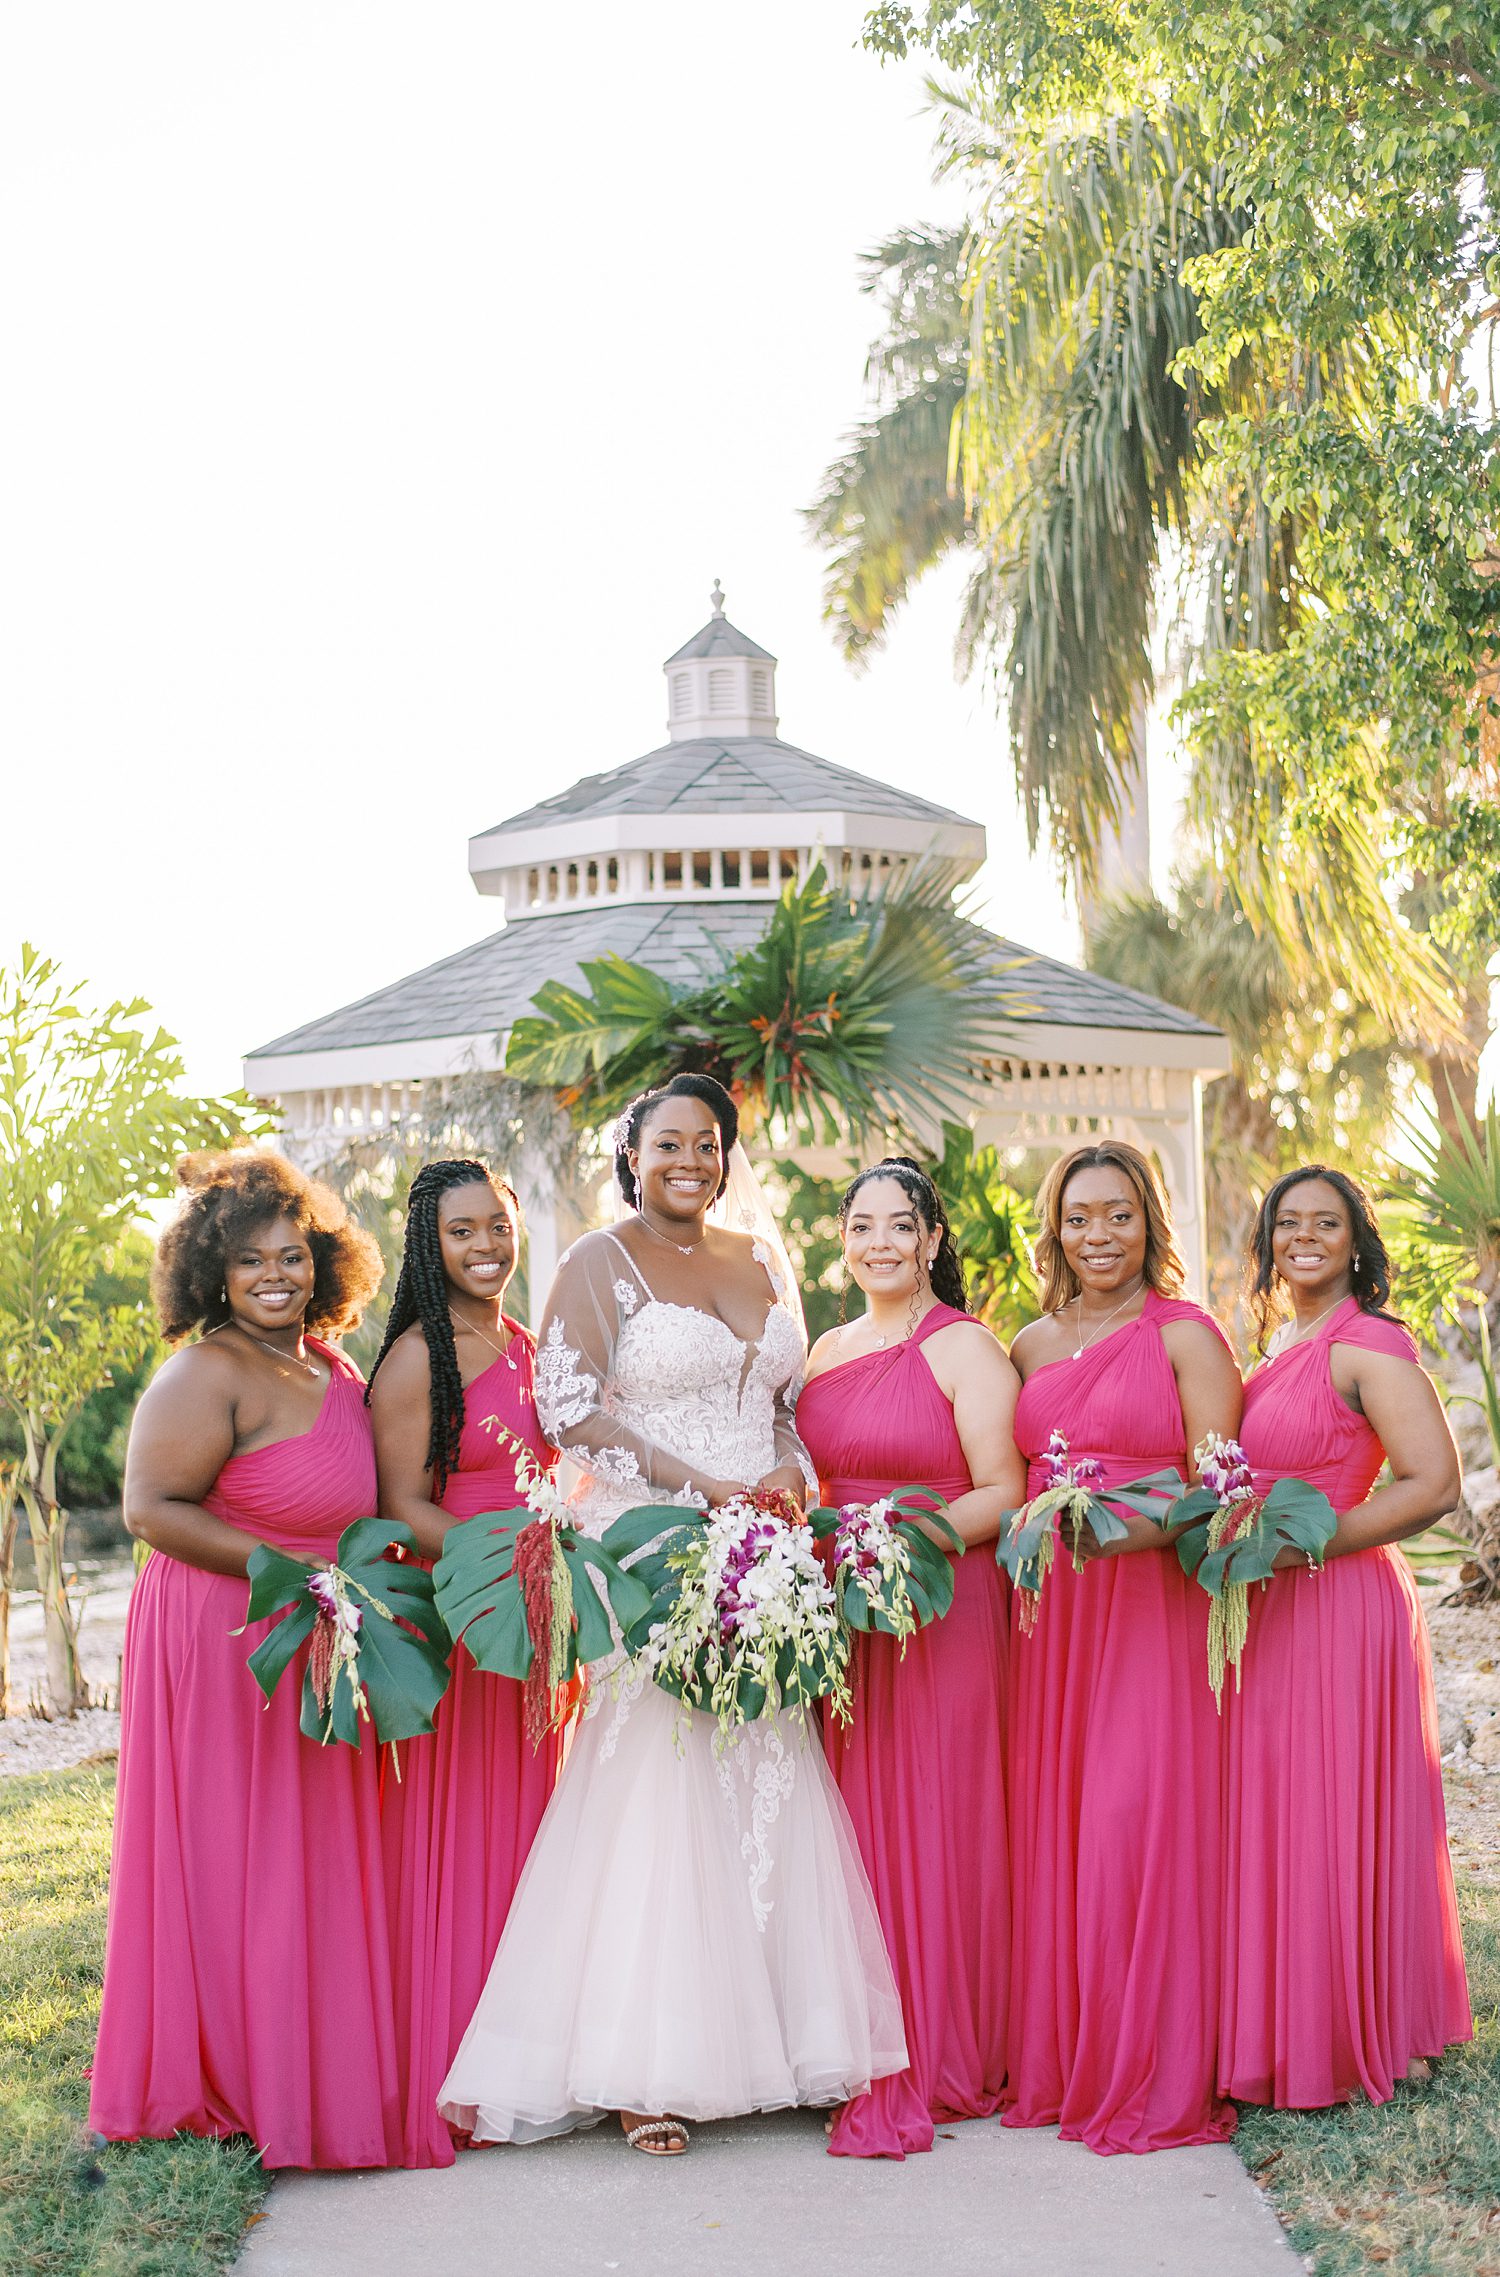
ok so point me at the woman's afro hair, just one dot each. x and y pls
(231, 1195)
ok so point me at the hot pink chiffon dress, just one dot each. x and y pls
(247, 1974)
(921, 1767)
(461, 1819)
(1115, 1791)
(1343, 1960)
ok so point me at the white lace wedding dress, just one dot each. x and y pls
(694, 1931)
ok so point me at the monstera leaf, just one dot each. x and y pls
(480, 1596)
(388, 1668)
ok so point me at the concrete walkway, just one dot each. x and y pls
(758, 2196)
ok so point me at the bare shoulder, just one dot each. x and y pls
(406, 1370)
(821, 1355)
(1197, 1340)
(1030, 1343)
(209, 1371)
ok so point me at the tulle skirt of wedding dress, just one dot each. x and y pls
(694, 1932)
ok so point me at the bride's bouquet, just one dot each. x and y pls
(531, 1597)
(1071, 1497)
(378, 1652)
(1233, 1537)
(743, 1619)
(888, 1573)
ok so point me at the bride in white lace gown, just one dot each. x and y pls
(694, 1932)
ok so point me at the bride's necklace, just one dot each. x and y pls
(1103, 1322)
(686, 1247)
(501, 1351)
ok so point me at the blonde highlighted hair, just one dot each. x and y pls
(1165, 1271)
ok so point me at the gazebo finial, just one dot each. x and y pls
(717, 598)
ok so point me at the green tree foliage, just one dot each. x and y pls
(1344, 351)
(1312, 1075)
(844, 1018)
(994, 1228)
(91, 1122)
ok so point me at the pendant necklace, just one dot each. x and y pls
(686, 1247)
(1300, 1335)
(1104, 1321)
(275, 1350)
(501, 1351)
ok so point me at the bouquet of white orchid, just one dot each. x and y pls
(531, 1597)
(743, 1620)
(888, 1573)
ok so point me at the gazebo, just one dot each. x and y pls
(686, 848)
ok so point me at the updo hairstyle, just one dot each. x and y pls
(633, 1121)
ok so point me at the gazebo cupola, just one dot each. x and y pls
(723, 811)
(720, 682)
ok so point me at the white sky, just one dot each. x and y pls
(385, 387)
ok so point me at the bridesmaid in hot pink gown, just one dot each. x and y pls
(454, 1377)
(917, 1394)
(1114, 1762)
(247, 1976)
(1344, 1969)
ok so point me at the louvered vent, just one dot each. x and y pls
(682, 693)
(721, 689)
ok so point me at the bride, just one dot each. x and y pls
(693, 1933)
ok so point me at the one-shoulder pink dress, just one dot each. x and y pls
(922, 1765)
(247, 1980)
(1343, 1959)
(461, 1819)
(1115, 1791)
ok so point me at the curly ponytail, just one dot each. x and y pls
(946, 1272)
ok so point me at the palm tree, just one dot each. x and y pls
(1029, 408)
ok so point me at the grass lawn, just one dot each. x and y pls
(1413, 2187)
(67, 2210)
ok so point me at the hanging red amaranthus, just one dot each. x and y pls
(547, 1596)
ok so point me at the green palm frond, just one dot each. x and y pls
(844, 1019)
(1446, 1204)
(574, 1037)
(1079, 441)
(887, 510)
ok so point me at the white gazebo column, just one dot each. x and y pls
(1177, 1139)
(554, 1220)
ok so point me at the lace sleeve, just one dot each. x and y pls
(587, 1307)
(789, 1447)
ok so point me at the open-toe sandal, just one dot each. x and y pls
(659, 2138)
